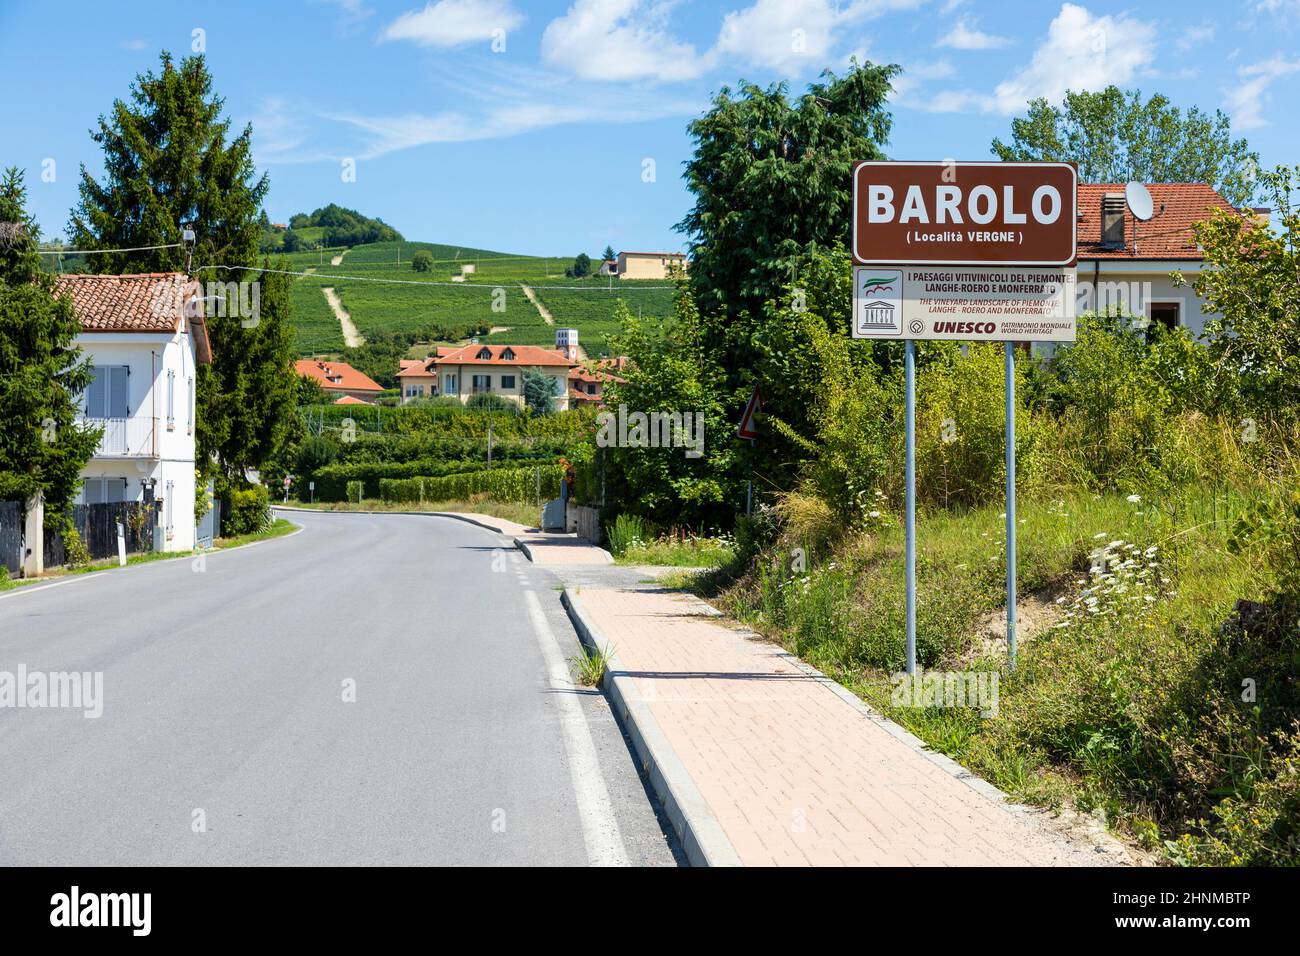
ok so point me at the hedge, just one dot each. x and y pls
(502, 484)
(332, 480)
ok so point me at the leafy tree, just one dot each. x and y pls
(1253, 286)
(1117, 136)
(292, 241)
(310, 391)
(422, 261)
(251, 392)
(41, 370)
(581, 265)
(346, 227)
(771, 179)
(168, 160)
(672, 371)
(539, 391)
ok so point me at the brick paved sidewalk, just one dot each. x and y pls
(788, 769)
(552, 549)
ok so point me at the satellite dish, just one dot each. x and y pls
(1139, 201)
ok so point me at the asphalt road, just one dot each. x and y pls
(374, 689)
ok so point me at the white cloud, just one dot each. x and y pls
(450, 23)
(787, 34)
(965, 36)
(388, 134)
(1246, 101)
(1193, 36)
(782, 34)
(619, 40)
(1081, 52)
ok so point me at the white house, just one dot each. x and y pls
(1125, 263)
(145, 336)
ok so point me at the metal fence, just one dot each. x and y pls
(11, 536)
(97, 527)
(209, 526)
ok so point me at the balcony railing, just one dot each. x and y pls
(134, 437)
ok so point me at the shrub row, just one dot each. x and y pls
(332, 481)
(527, 484)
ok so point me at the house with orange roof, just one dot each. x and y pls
(145, 337)
(476, 369)
(418, 378)
(1124, 263)
(587, 381)
(340, 378)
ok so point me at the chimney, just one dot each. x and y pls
(1112, 221)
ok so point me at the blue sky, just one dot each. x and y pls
(529, 126)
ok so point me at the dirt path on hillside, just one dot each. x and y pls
(338, 260)
(542, 310)
(351, 337)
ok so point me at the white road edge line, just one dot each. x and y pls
(600, 830)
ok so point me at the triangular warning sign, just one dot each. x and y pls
(753, 407)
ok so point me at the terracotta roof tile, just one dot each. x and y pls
(523, 355)
(337, 376)
(146, 302)
(1167, 235)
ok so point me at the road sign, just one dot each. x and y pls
(951, 213)
(965, 303)
(752, 408)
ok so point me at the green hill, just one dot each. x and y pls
(384, 295)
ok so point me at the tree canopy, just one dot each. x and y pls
(168, 161)
(41, 370)
(1116, 136)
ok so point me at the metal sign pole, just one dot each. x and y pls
(910, 376)
(1011, 501)
(749, 486)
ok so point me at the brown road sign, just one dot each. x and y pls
(951, 213)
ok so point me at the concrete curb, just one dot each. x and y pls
(703, 839)
(522, 545)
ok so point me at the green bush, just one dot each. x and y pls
(355, 491)
(624, 532)
(501, 484)
(396, 490)
(246, 511)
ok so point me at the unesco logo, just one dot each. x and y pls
(917, 327)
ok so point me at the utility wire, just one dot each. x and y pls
(89, 252)
(429, 282)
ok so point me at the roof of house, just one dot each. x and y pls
(677, 255)
(412, 368)
(601, 370)
(523, 355)
(1166, 235)
(144, 302)
(337, 376)
(349, 400)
